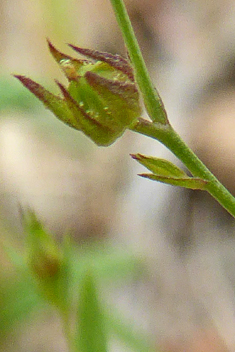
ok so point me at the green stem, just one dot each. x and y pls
(167, 136)
(160, 128)
(152, 100)
(65, 317)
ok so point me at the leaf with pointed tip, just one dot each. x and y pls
(54, 103)
(160, 167)
(116, 61)
(91, 334)
(186, 182)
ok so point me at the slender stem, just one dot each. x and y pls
(152, 100)
(167, 136)
(160, 128)
(65, 317)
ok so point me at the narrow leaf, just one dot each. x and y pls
(187, 182)
(91, 335)
(160, 167)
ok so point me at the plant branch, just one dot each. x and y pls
(167, 136)
(160, 128)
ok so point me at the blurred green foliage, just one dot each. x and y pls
(91, 334)
(89, 269)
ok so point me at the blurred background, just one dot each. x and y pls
(186, 300)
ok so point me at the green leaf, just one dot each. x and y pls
(166, 172)
(187, 182)
(91, 335)
(160, 167)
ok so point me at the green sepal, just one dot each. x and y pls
(91, 331)
(115, 61)
(121, 99)
(62, 58)
(102, 135)
(54, 103)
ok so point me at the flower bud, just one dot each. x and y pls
(101, 100)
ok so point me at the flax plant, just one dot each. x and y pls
(102, 100)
